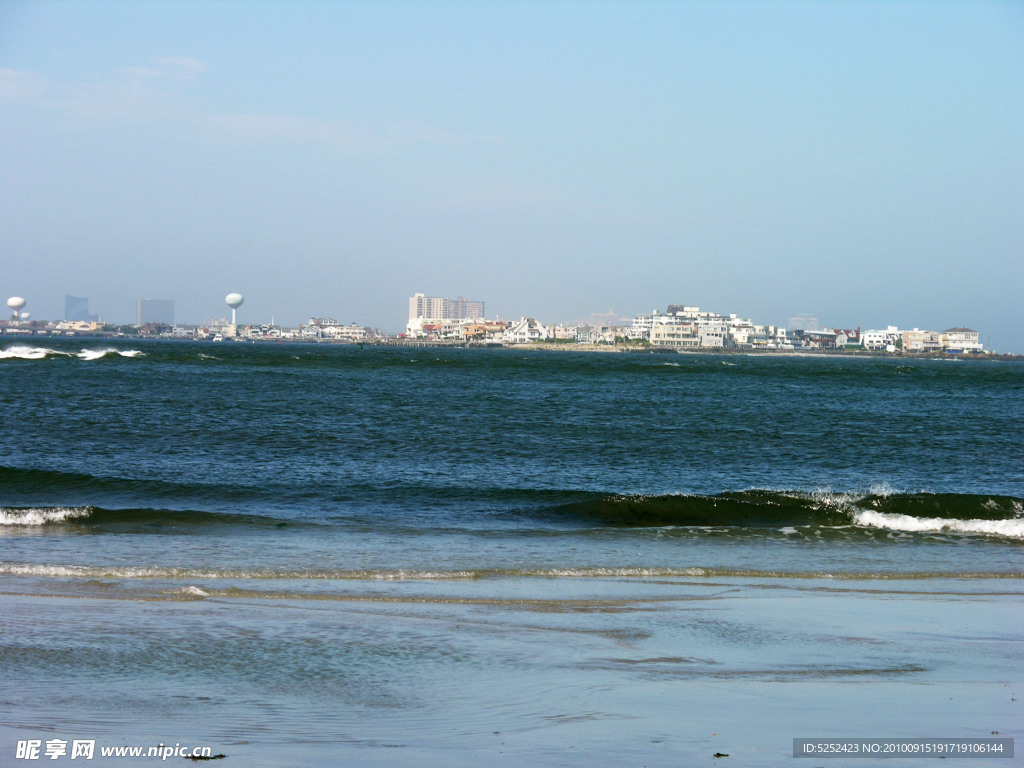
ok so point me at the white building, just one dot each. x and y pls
(76, 325)
(350, 333)
(526, 330)
(712, 331)
(881, 340)
(847, 337)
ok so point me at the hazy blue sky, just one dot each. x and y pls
(862, 162)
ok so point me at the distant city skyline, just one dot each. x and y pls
(861, 163)
(426, 308)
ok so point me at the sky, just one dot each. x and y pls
(859, 162)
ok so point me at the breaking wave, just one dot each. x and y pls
(130, 518)
(882, 509)
(121, 503)
(24, 352)
(1013, 529)
(42, 516)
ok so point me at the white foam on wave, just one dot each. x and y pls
(117, 572)
(96, 354)
(42, 515)
(42, 571)
(883, 489)
(24, 352)
(1013, 529)
(604, 573)
(830, 499)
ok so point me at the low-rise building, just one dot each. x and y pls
(677, 335)
(262, 331)
(351, 333)
(958, 340)
(563, 332)
(847, 337)
(808, 339)
(880, 341)
(526, 330)
(82, 326)
(921, 341)
(484, 330)
(712, 331)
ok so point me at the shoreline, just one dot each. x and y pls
(542, 346)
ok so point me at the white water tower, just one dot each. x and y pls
(15, 303)
(234, 300)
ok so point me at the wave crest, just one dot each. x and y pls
(42, 515)
(879, 508)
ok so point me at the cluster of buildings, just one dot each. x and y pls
(437, 319)
(679, 327)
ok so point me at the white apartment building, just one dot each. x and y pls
(713, 331)
(644, 325)
(439, 308)
(681, 335)
(684, 326)
(429, 307)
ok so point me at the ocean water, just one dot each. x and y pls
(299, 554)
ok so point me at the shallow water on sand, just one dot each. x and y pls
(596, 672)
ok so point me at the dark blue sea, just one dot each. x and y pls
(318, 554)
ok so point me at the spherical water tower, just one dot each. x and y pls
(15, 303)
(234, 300)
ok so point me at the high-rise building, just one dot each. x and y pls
(802, 323)
(424, 306)
(155, 311)
(77, 308)
(465, 309)
(437, 308)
